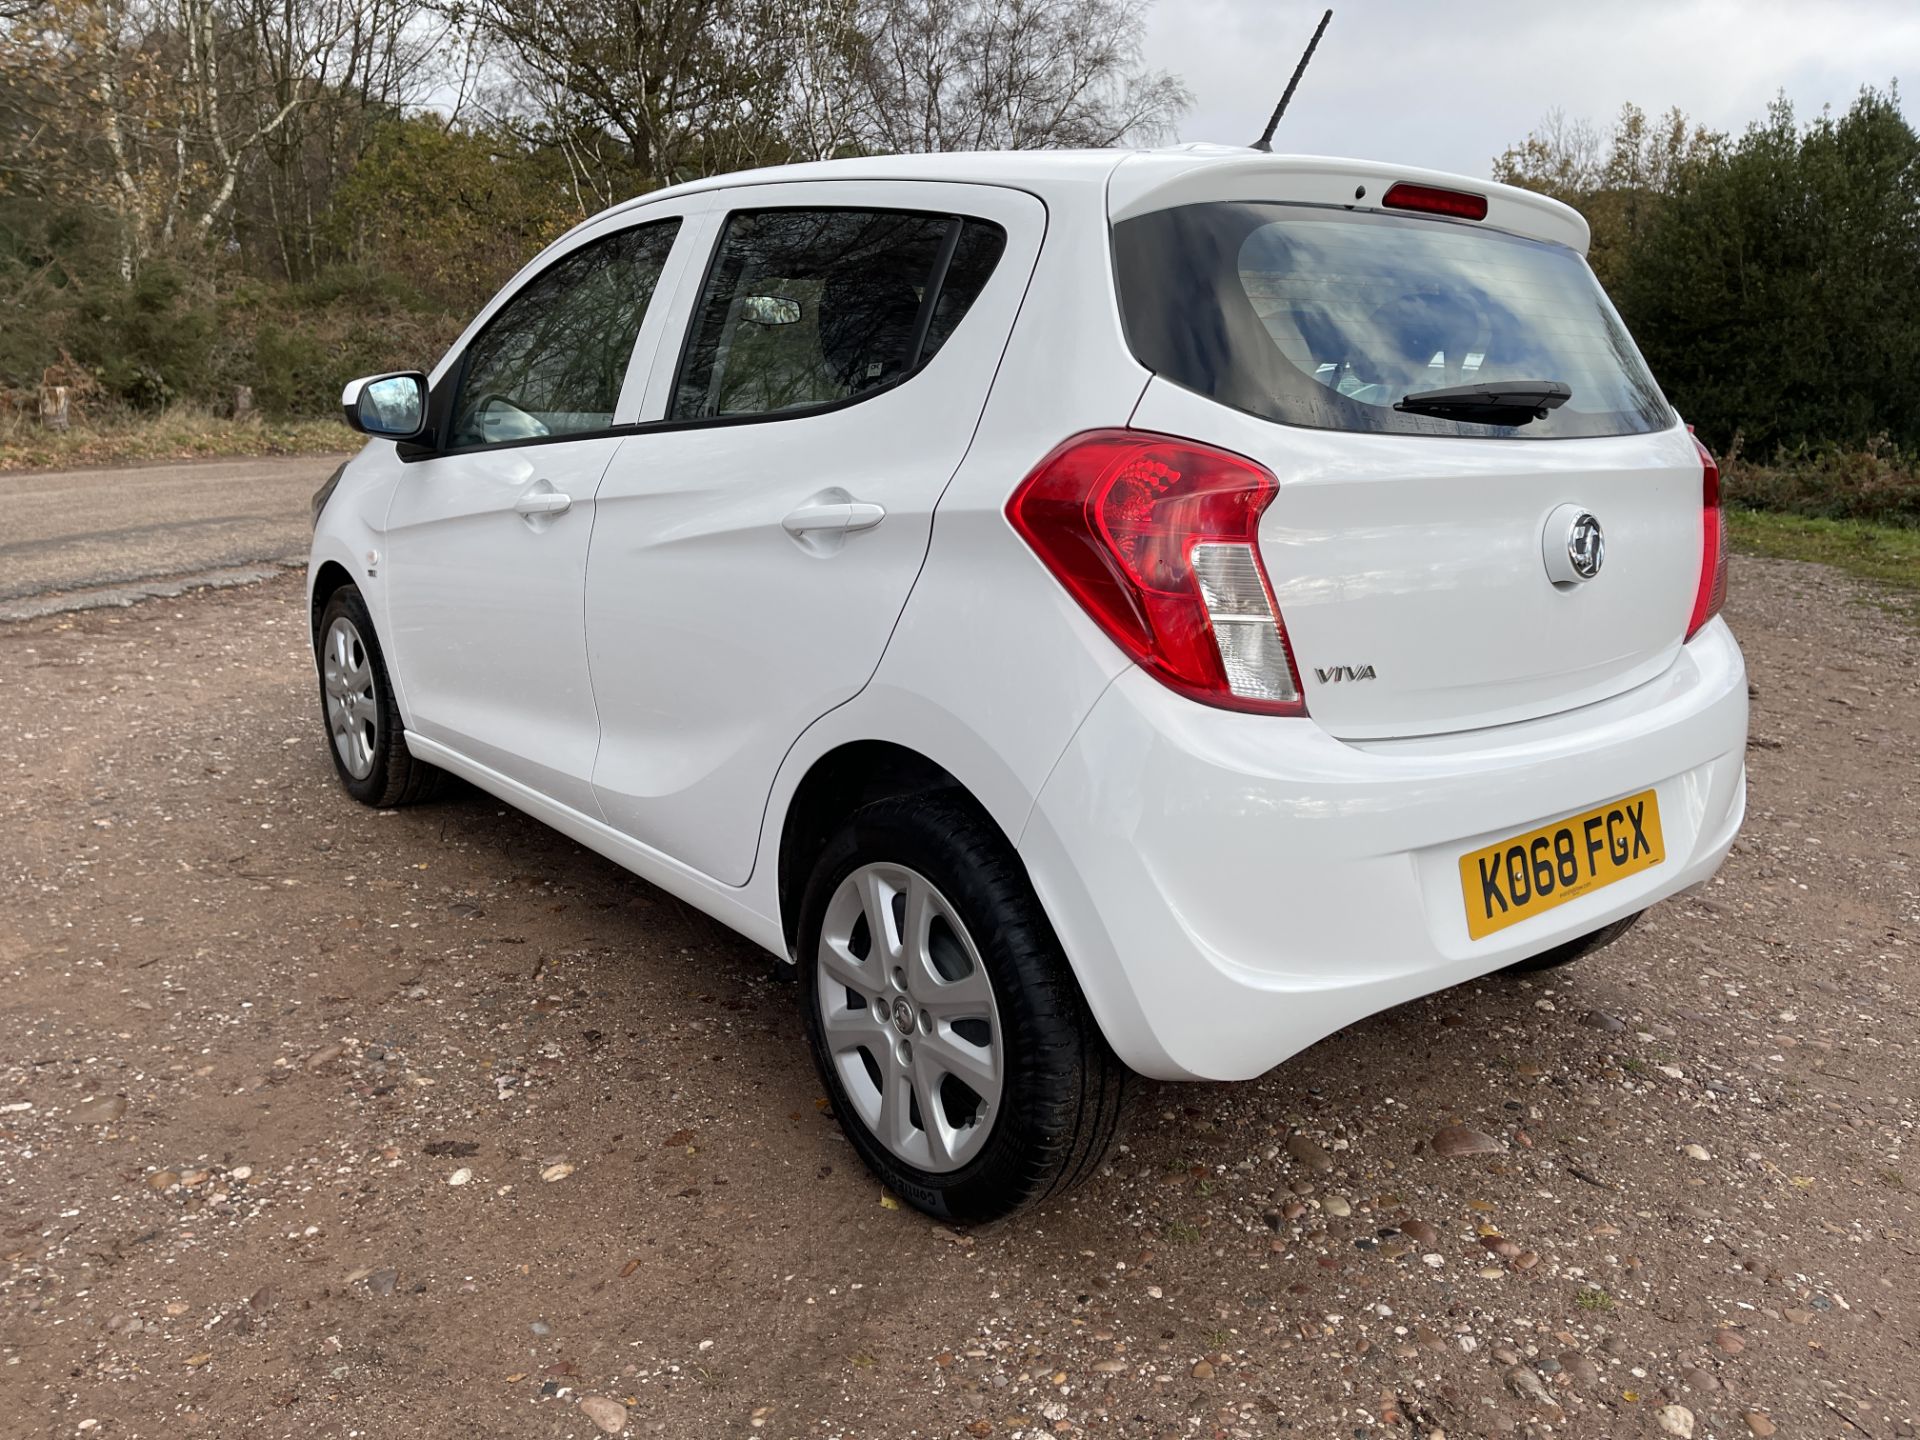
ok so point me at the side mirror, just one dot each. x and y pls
(387, 407)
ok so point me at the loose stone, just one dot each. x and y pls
(1458, 1140)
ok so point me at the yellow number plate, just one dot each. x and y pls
(1529, 874)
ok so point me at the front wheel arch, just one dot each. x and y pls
(389, 775)
(327, 580)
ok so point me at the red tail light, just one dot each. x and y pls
(1712, 593)
(1432, 200)
(1157, 539)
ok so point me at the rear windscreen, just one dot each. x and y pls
(1325, 318)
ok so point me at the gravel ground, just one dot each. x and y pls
(322, 1122)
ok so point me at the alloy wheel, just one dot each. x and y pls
(353, 703)
(908, 1015)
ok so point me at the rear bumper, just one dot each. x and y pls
(1231, 888)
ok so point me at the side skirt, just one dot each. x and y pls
(722, 902)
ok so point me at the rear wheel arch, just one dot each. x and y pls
(837, 784)
(1040, 1096)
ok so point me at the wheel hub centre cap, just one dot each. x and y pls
(903, 1016)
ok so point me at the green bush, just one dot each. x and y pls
(168, 340)
(296, 360)
(152, 342)
(289, 370)
(1775, 290)
(1880, 483)
(366, 292)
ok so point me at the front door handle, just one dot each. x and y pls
(543, 502)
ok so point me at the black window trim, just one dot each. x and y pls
(439, 411)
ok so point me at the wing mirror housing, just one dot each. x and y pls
(387, 407)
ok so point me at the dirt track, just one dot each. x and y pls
(75, 538)
(252, 1036)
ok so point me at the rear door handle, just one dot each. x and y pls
(833, 516)
(543, 502)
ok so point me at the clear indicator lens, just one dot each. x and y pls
(1252, 649)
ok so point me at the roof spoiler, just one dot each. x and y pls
(1161, 179)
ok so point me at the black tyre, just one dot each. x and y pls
(956, 1048)
(363, 729)
(1572, 950)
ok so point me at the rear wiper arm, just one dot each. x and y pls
(1497, 402)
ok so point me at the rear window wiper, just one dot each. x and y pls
(1497, 402)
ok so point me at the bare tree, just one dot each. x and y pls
(157, 110)
(316, 76)
(1011, 74)
(822, 106)
(206, 125)
(687, 85)
(696, 86)
(1617, 178)
(1559, 156)
(93, 117)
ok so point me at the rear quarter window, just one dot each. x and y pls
(1325, 318)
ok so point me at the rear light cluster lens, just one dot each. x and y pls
(1712, 593)
(1432, 200)
(1157, 539)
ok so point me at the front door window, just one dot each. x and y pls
(551, 362)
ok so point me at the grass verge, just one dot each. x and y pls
(180, 434)
(1889, 555)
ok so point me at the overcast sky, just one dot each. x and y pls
(1450, 84)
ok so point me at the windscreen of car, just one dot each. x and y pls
(1325, 318)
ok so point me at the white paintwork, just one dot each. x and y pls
(1160, 179)
(486, 554)
(1252, 885)
(1227, 887)
(716, 635)
(1421, 557)
(483, 607)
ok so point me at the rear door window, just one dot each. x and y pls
(1325, 318)
(803, 309)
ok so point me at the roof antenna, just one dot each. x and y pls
(1265, 142)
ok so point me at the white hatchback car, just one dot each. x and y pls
(1094, 613)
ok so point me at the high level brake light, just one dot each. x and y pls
(1157, 538)
(1712, 593)
(1432, 200)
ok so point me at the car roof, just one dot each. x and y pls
(1141, 180)
(1026, 169)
